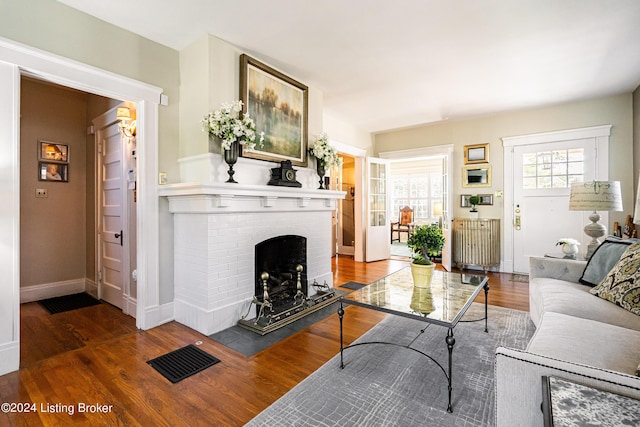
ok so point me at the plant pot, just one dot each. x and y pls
(422, 275)
(473, 215)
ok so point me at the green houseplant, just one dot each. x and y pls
(424, 241)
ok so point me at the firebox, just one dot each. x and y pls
(283, 258)
(281, 286)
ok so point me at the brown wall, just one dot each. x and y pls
(57, 232)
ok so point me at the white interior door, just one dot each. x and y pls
(542, 177)
(112, 232)
(378, 246)
(447, 167)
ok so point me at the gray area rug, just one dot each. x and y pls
(384, 385)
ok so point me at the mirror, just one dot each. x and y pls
(476, 176)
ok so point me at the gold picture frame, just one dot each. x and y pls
(476, 176)
(279, 106)
(477, 153)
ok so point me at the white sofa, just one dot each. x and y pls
(579, 337)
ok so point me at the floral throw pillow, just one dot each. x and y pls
(622, 285)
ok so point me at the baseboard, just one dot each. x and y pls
(91, 287)
(206, 321)
(9, 357)
(130, 306)
(156, 316)
(50, 290)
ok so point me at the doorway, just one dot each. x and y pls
(346, 233)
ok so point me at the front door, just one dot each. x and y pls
(543, 174)
(111, 224)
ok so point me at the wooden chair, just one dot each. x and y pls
(404, 224)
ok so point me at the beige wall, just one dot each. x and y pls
(614, 110)
(52, 229)
(636, 137)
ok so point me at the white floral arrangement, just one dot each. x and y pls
(324, 152)
(227, 125)
(567, 241)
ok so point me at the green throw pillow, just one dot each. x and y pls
(622, 285)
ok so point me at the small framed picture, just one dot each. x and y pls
(55, 172)
(485, 199)
(478, 153)
(464, 201)
(53, 152)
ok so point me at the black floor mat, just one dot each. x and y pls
(182, 363)
(353, 285)
(68, 302)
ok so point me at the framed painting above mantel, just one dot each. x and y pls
(279, 106)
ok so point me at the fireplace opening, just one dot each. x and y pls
(284, 260)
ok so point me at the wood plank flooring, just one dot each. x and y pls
(96, 355)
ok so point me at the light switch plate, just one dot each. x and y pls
(162, 178)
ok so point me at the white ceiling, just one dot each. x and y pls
(387, 64)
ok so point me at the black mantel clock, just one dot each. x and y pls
(284, 176)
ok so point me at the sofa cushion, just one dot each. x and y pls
(604, 259)
(587, 342)
(574, 299)
(622, 284)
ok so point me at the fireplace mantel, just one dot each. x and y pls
(227, 197)
(216, 228)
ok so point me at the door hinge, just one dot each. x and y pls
(100, 147)
(100, 276)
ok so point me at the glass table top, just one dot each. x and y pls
(444, 302)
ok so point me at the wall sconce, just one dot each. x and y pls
(123, 115)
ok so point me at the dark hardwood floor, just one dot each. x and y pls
(96, 355)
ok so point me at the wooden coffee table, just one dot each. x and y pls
(443, 303)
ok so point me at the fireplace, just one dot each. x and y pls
(284, 260)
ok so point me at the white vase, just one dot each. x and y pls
(570, 250)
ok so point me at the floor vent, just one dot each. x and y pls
(182, 363)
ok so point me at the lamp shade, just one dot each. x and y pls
(123, 113)
(595, 196)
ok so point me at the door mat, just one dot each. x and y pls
(353, 285)
(68, 302)
(182, 363)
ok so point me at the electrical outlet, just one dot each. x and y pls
(41, 193)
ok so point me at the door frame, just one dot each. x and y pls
(599, 133)
(447, 215)
(18, 60)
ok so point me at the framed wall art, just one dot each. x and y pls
(279, 106)
(53, 152)
(476, 176)
(55, 172)
(464, 201)
(485, 199)
(478, 153)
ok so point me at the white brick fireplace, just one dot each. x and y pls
(216, 228)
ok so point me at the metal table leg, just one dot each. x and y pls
(451, 341)
(341, 315)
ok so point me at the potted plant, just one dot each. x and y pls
(424, 241)
(474, 200)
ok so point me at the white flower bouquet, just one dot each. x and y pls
(227, 125)
(567, 241)
(324, 152)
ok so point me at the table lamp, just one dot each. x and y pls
(595, 196)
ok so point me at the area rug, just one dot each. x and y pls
(524, 278)
(68, 302)
(384, 385)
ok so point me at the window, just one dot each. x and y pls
(419, 191)
(552, 169)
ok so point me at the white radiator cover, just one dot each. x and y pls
(476, 242)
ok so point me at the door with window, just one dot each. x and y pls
(543, 174)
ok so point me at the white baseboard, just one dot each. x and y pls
(9, 357)
(50, 290)
(130, 306)
(156, 316)
(206, 321)
(91, 287)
